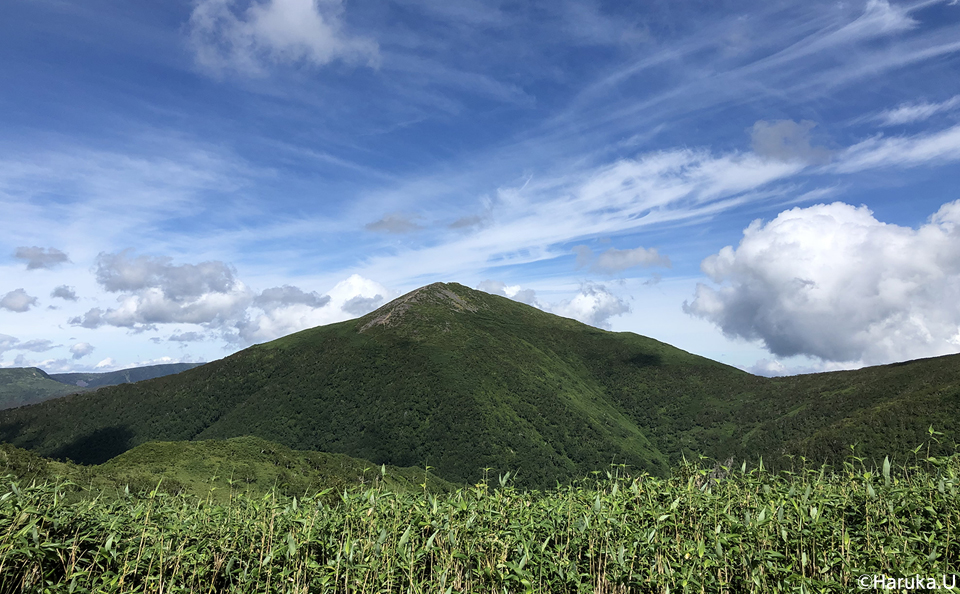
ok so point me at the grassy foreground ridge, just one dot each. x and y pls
(698, 531)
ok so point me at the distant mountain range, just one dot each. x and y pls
(20, 386)
(467, 383)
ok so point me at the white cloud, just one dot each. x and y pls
(154, 291)
(17, 301)
(37, 345)
(81, 350)
(593, 305)
(349, 298)
(909, 151)
(528, 223)
(64, 292)
(515, 292)
(7, 342)
(38, 257)
(830, 281)
(105, 365)
(908, 113)
(225, 35)
(880, 18)
(186, 337)
(614, 260)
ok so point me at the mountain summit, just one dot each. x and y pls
(464, 381)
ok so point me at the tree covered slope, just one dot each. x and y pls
(462, 381)
(28, 385)
(20, 386)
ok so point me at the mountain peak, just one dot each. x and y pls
(449, 296)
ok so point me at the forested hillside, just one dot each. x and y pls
(462, 381)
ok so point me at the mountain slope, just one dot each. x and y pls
(462, 381)
(122, 376)
(28, 385)
(217, 469)
(20, 386)
(445, 376)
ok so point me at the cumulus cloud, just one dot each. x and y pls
(64, 292)
(247, 36)
(92, 319)
(106, 364)
(155, 291)
(515, 292)
(831, 281)
(907, 113)
(11, 343)
(81, 350)
(289, 309)
(7, 342)
(360, 305)
(38, 345)
(38, 257)
(187, 337)
(787, 141)
(394, 223)
(286, 295)
(614, 260)
(593, 305)
(17, 301)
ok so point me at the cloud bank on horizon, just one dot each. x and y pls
(772, 185)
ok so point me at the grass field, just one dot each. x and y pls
(702, 530)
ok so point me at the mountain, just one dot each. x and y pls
(20, 386)
(463, 381)
(219, 468)
(29, 385)
(123, 376)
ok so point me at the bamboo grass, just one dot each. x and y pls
(702, 530)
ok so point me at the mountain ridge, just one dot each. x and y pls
(461, 380)
(22, 386)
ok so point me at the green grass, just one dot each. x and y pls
(701, 530)
(216, 470)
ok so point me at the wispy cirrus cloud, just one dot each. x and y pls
(908, 113)
(229, 35)
(900, 151)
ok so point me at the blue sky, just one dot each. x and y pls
(769, 184)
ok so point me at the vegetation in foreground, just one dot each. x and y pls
(721, 530)
(215, 469)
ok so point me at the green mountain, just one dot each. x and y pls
(219, 468)
(20, 386)
(29, 385)
(123, 376)
(464, 381)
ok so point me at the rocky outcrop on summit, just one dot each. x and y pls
(393, 313)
